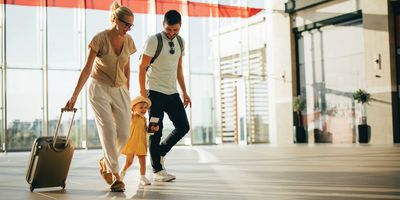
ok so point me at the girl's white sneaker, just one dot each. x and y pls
(122, 174)
(144, 181)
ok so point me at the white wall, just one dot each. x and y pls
(279, 72)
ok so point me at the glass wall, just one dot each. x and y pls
(241, 85)
(64, 62)
(45, 57)
(63, 33)
(203, 109)
(24, 77)
(329, 73)
(59, 91)
(202, 80)
(24, 44)
(24, 108)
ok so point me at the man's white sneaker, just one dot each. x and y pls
(163, 176)
(144, 181)
(174, 177)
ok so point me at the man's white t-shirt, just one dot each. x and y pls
(162, 75)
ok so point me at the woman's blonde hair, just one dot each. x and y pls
(119, 12)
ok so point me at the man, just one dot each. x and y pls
(162, 73)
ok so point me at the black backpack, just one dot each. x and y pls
(160, 46)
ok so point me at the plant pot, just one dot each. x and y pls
(300, 135)
(364, 133)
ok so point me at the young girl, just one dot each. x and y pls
(137, 143)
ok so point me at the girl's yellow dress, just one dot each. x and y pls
(137, 143)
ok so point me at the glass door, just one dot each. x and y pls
(329, 73)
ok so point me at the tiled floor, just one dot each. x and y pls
(305, 172)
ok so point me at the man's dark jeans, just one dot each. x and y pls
(173, 106)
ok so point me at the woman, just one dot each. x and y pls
(110, 52)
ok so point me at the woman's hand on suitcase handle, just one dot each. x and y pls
(70, 104)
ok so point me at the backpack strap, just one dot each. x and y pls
(158, 50)
(159, 47)
(180, 43)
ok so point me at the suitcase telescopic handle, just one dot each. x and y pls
(58, 125)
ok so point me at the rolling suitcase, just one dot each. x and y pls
(50, 159)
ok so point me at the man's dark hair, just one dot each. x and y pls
(172, 17)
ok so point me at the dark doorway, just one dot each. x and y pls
(395, 94)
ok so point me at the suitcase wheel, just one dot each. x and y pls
(63, 186)
(31, 188)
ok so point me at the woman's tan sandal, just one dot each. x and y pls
(108, 177)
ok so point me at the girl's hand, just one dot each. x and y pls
(154, 128)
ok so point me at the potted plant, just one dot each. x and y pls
(364, 130)
(299, 130)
